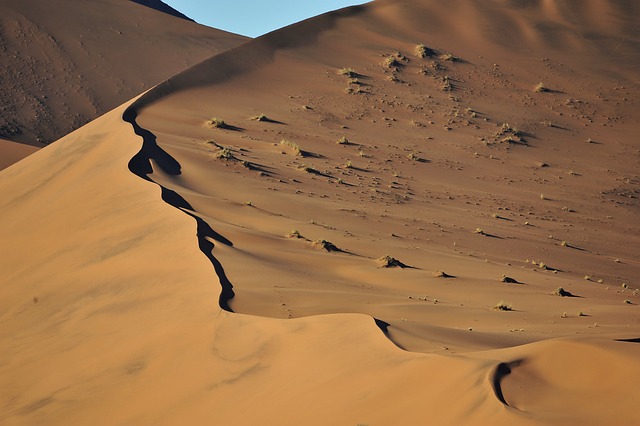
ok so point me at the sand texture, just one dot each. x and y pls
(404, 213)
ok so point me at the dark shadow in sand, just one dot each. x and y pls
(141, 165)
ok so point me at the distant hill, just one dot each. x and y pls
(66, 62)
(162, 7)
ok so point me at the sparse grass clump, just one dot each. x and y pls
(562, 292)
(307, 169)
(224, 153)
(294, 234)
(449, 57)
(260, 117)
(326, 245)
(343, 141)
(392, 62)
(503, 306)
(349, 72)
(387, 261)
(413, 157)
(508, 280)
(217, 123)
(540, 88)
(479, 231)
(423, 51)
(291, 145)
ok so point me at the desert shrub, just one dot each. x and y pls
(224, 153)
(217, 123)
(540, 88)
(260, 117)
(503, 306)
(326, 245)
(294, 146)
(349, 72)
(387, 261)
(423, 51)
(562, 292)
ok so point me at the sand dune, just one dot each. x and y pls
(149, 257)
(13, 152)
(61, 70)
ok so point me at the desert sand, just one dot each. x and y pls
(213, 251)
(61, 70)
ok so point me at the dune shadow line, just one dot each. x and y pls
(501, 371)
(140, 165)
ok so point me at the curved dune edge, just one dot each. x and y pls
(129, 331)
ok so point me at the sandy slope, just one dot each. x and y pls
(12, 152)
(109, 309)
(61, 69)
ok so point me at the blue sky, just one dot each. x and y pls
(253, 17)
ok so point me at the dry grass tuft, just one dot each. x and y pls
(387, 261)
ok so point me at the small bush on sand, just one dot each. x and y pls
(503, 306)
(225, 154)
(260, 117)
(540, 88)
(292, 145)
(217, 123)
(327, 245)
(389, 262)
(562, 292)
(349, 72)
(423, 51)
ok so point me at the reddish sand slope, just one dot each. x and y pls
(127, 244)
(65, 62)
(12, 152)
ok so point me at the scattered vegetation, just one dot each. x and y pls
(540, 88)
(295, 234)
(292, 145)
(343, 141)
(442, 274)
(217, 123)
(326, 245)
(413, 157)
(260, 117)
(503, 306)
(307, 169)
(225, 154)
(349, 72)
(562, 292)
(423, 51)
(449, 57)
(509, 280)
(387, 261)
(392, 62)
